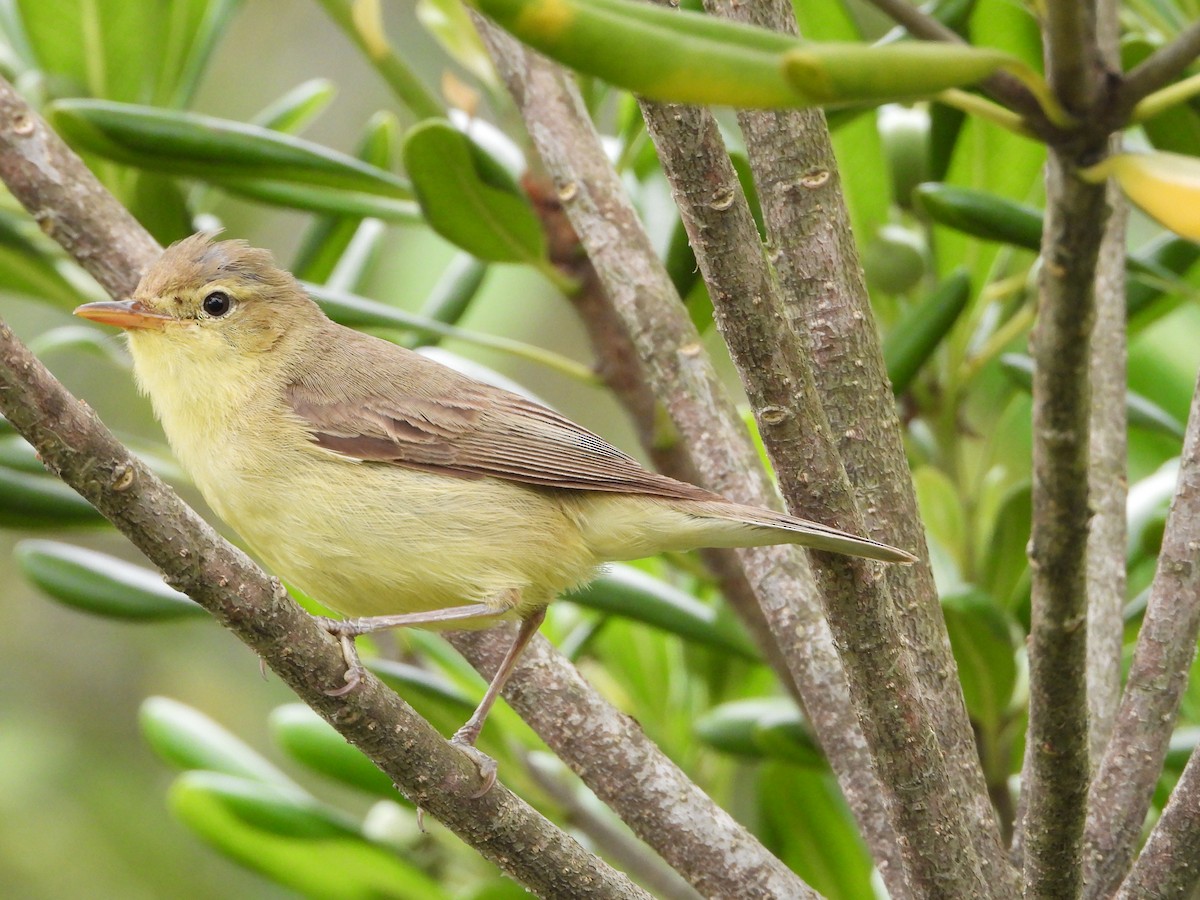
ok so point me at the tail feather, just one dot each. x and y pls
(766, 526)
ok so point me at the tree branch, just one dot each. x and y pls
(438, 778)
(683, 378)
(1056, 761)
(628, 772)
(812, 251)
(1160, 68)
(53, 183)
(1162, 661)
(1169, 864)
(779, 383)
(623, 373)
(1108, 457)
(1072, 53)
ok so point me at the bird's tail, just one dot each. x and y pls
(723, 524)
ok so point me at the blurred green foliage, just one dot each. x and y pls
(264, 119)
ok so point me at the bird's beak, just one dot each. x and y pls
(123, 314)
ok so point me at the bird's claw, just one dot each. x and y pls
(485, 764)
(354, 668)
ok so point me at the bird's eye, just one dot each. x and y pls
(217, 304)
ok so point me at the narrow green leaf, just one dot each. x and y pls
(188, 739)
(451, 26)
(324, 200)
(1142, 412)
(805, 822)
(102, 584)
(296, 109)
(219, 150)
(665, 54)
(984, 645)
(468, 198)
(30, 267)
(295, 841)
(407, 679)
(454, 291)
(913, 340)
(362, 22)
(981, 214)
(844, 74)
(312, 741)
(40, 501)
(629, 592)
(328, 237)
(1003, 559)
(1152, 271)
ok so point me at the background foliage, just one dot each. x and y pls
(946, 211)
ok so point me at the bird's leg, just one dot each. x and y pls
(346, 630)
(466, 736)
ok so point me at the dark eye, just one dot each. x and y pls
(217, 303)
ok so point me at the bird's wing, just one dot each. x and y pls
(457, 426)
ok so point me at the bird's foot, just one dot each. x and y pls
(464, 740)
(345, 632)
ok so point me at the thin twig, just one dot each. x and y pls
(1072, 53)
(1107, 482)
(1160, 68)
(1162, 661)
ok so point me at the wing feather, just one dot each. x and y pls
(429, 417)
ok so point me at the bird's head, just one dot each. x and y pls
(212, 300)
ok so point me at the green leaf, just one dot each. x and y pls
(296, 109)
(408, 679)
(31, 267)
(468, 198)
(294, 840)
(40, 501)
(983, 640)
(448, 22)
(1003, 561)
(981, 214)
(102, 584)
(188, 739)
(324, 200)
(913, 340)
(454, 291)
(805, 822)
(687, 57)
(312, 741)
(217, 150)
(941, 508)
(764, 728)
(328, 237)
(1152, 272)
(629, 592)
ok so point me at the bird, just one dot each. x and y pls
(395, 490)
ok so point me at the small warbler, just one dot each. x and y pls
(387, 486)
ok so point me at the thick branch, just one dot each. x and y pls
(79, 449)
(1160, 68)
(813, 253)
(683, 378)
(60, 190)
(1056, 762)
(779, 383)
(1168, 868)
(1165, 649)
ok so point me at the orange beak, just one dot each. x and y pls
(123, 314)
